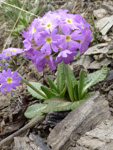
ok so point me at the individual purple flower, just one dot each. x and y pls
(66, 56)
(14, 51)
(41, 59)
(35, 27)
(27, 44)
(48, 41)
(86, 38)
(69, 39)
(9, 80)
(49, 21)
(81, 22)
(29, 53)
(33, 30)
(69, 21)
(7, 53)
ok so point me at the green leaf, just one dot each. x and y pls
(48, 92)
(52, 85)
(95, 77)
(34, 110)
(57, 105)
(76, 98)
(17, 30)
(81, 84)
(32, 92)
(76, 104)
(71, 82)
(61, 77)
(62, 94)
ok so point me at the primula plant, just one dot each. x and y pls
(53, 40)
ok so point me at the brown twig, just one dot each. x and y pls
(9, 139)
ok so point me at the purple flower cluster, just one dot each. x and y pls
(54, 38)
(58, 34)
(8, 80)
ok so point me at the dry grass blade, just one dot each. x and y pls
(21, 9)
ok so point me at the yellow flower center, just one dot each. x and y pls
(7, 54)
(33, 30)
(14, 50)
(9, 80)
(48, 25)
(69, 21)
(48, 40)
(82, 25)
(47, 56)
(67, 38)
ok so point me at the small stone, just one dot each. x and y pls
(94, 65)
(104, 24)
(110, 95)
(105, 61)
(96, 57)
(101, 56)
(108, 6)
(100, 13)
(84, 61)
(106, 38)
(97, 49)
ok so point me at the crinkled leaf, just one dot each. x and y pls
(95, 77)
(81, 84)
(76, 104)
(35, 109)
(76, 92)
(62, 94)
(52, 85)
(60, 77)
(71, 82)
(57, 105)
(32, 92)
(49, 93)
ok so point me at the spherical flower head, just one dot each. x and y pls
(9, 80)
(56, 32)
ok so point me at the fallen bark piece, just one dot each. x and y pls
(81, 120)
(101, 138)
(23, 143)
(9, 139)
(39, 142)
(29, 143)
